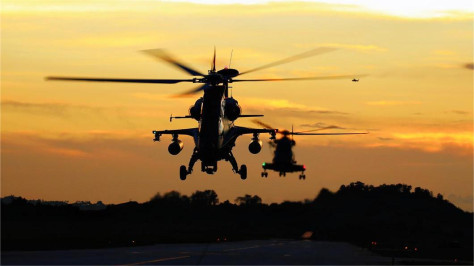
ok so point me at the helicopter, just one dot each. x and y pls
(284, 158)
(215, 111)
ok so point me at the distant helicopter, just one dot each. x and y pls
(284, 159)
(216, 112)
(355, 80)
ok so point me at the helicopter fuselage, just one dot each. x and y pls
(284, 160)
(216, 134)
(214, 129)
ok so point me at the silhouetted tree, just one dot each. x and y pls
(248, 200)
(325, 195)
(156, 197)
(423, 193)
(204, 198)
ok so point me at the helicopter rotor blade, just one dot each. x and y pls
(163, 55)
(262, 124)
(165, 81)
(328, 134)
(317, 51)
(306, 78)
(191, 92)
(271, 144)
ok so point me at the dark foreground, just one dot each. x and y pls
(245, 252)
(391, 220)
(256, 252)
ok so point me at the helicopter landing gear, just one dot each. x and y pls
(282, 174)
(209, 169)
(302, 176)
(243, 169)
(192, 161)
(183, 172)
(243, 172)
(264, 174)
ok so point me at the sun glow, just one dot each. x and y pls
(402, 8)
(416, 100)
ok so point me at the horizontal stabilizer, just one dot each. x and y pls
(179, 117)
(250, 115)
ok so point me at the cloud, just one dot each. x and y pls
(460, 143)
(56, 109)
(169, 98)
(286, 105)
(397, 10)
(465, 201)
(292, 113)
(54, 118)
(51, 108)
(67, 152)
(459, 112)
(72, 144)
(69, 110)
(287, 109)
(469, 66)
(446, 66)
(392, 103)
(111, 40)
(357, 47)
(321, 126)
(444, 52)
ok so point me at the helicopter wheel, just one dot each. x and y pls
(243, 172)
(182, 172)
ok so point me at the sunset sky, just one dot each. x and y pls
(92, 141)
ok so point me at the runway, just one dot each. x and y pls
(242, 253)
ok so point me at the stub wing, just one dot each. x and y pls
(327, 134)
(193, 132)
(246, 130)
(237, 131)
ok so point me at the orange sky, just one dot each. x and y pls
(88, 141)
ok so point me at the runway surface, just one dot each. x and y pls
(245, 252)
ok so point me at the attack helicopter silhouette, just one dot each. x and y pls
(215, 111)
(284, 158)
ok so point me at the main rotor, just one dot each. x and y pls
(213, 77)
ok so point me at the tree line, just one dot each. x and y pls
(394, 217)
